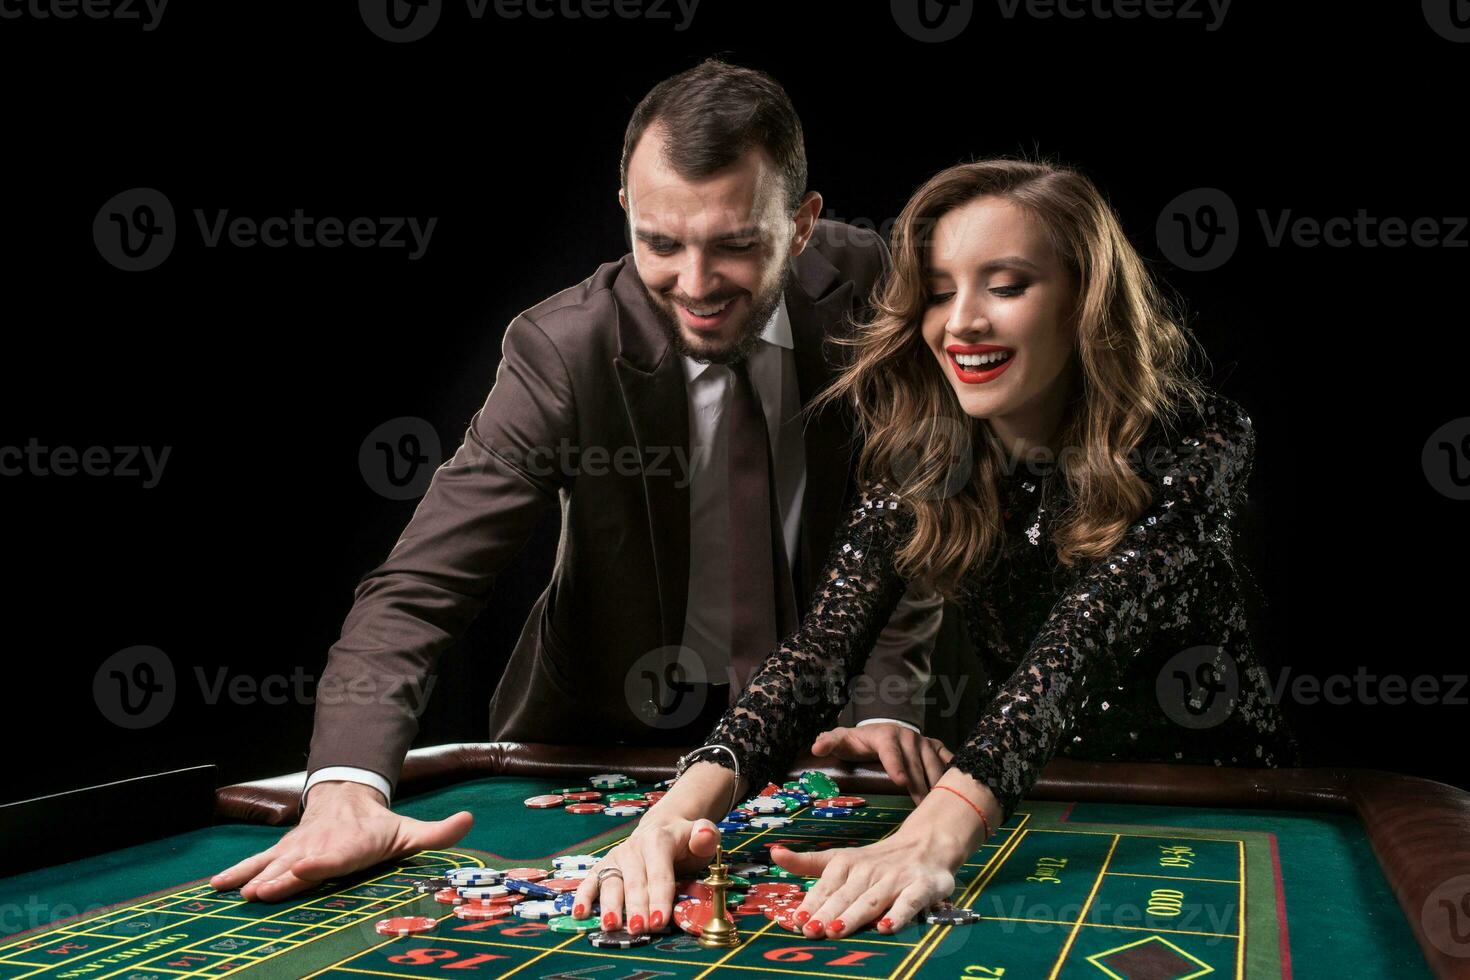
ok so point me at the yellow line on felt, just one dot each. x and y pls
(1072, 936)
(1119, 833)
(1110, 925)
(399, 899)
(1134, 874)
(1240, 914)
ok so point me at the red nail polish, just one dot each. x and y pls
(609, 920)
(835, 926)
(802, 916)
(577, 911)
(656, 920)
(815, 925)
(635, 924)
(885, 923)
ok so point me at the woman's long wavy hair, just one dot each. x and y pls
(1132, 368)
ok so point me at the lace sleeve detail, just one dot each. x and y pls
(803, 684)
(1105, 613)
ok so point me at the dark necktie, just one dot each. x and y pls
(762, 602)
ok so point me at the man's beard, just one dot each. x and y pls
(761, 308)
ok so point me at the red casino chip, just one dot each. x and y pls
(848, 801)
(786, 918)
(546, 802)
(771, 790)
(448, 896)
(561, 884)
(527, 874)
(405, 925)
(585, 808)
(774, 888)
(479, 912)
(586, 796)
(654, 795)
(691, 915)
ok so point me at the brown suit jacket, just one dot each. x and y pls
(589, 412)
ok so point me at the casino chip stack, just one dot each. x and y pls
(405, 925)
(948, 914)
(539, 911)
(469, 877)
(618, 939)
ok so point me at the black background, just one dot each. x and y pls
(263, 369)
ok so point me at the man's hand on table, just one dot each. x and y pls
(911, 760)
(346, 827)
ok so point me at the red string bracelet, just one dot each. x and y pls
(978, 811)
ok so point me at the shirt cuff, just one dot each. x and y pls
(889, 721)
(348, 774)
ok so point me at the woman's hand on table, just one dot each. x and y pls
(641, 898)
(892, 881)
(672, 838)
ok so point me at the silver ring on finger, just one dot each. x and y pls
(608, 873)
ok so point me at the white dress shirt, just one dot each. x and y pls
(707, 619)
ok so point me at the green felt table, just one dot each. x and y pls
(1066, 890)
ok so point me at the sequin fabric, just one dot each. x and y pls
(1108, 659)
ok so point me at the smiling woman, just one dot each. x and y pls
(1036, 449)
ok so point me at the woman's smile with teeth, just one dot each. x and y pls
(977, 360)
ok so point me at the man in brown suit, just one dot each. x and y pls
(658, 404)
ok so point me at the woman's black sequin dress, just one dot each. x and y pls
(1142, 655)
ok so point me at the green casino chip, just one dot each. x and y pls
(565, 923)
(819, 784)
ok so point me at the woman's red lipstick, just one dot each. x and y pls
(975, 376)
